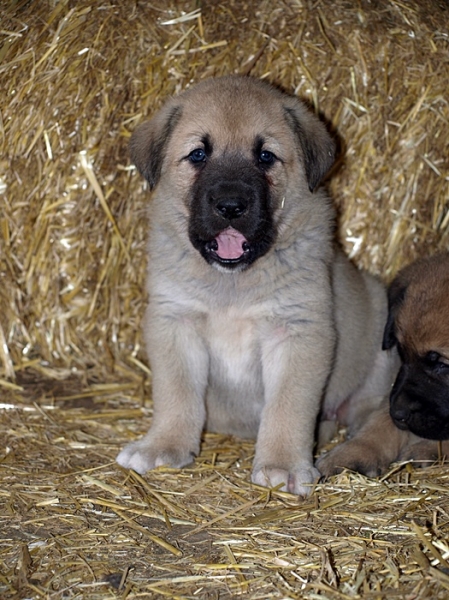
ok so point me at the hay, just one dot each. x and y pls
(75, 525)
(76, 78)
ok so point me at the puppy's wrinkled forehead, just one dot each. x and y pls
(237, 111)
(422, 323)
(234, 115)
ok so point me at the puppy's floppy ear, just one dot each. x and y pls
(318, 148)
(396, 295)
(149, 141)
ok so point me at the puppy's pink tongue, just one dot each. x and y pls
(230, 243)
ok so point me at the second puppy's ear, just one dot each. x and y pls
(396, 295)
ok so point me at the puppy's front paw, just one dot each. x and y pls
(145, 454)
(354, 455)
(295, 481)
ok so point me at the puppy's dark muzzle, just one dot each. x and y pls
(420, 403)
(402, 406)
(231, 221)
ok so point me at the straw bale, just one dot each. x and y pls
(78, 78)
(75, 80)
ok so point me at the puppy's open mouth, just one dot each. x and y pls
(229, 247)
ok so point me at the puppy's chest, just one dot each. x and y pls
(234, 346)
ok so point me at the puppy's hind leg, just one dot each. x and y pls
(372, 393)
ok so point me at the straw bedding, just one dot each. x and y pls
(75, 79)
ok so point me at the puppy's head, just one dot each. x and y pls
(418, 324)
(230, 151)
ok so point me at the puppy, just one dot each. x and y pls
(256, 322)
(418, 325)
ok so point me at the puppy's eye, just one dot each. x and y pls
(266, 158)
(435, 361)
(432, 357)
(197, 156)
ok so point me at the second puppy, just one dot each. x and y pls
(418, 409)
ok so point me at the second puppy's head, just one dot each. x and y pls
(418, 324)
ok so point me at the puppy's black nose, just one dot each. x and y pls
(231, 208)
(400, 414)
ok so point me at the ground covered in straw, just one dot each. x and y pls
(75, 79)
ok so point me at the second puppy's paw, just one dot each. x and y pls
(353, 455)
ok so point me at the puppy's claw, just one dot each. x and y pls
(142, 456)
(298, 481)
